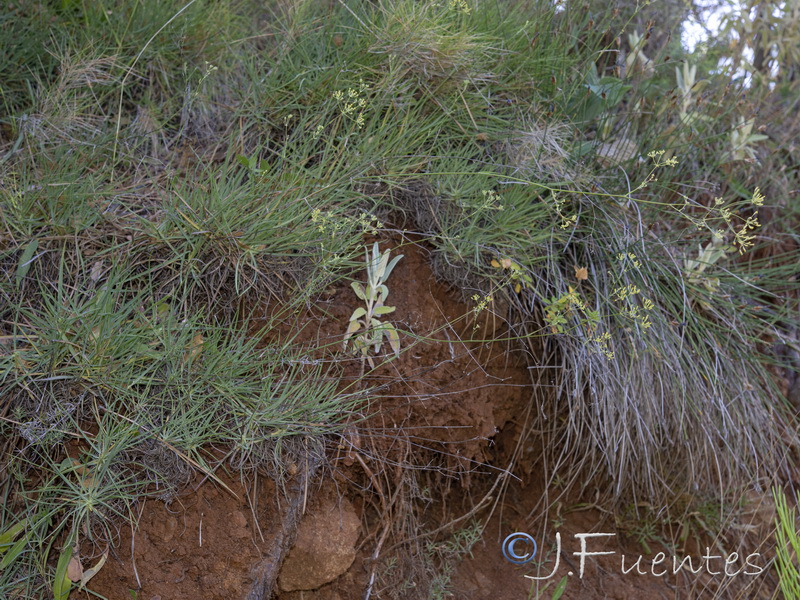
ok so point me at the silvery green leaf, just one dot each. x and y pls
(390, 266)
(358, 313)
(359, 290)
(382, 266)
(393, 337)
(372, 263)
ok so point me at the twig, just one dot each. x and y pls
(133, 545)
(266, 573)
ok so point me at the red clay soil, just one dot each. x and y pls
(203, 544)
(448, 408)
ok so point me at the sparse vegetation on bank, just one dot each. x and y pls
(177, 179)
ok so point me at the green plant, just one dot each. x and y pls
(742, 140)
(125, 282)
(558, 591)
(788, 548)
(365, 328)
(446, 556)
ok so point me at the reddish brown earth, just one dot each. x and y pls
(203, 544)
(437, 435)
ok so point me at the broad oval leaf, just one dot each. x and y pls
(359, 290)
(393, 337)
(358, 313)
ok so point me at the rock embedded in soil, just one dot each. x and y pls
(325, 547)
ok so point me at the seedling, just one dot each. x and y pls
(365, 328)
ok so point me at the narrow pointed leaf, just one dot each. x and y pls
(13, 553)
(62, 585)
(391, 266)
(12, 532)
(560, 589)
(26, 260)
(384, 310)
(372, 262)
(384, 262)
(92, 571)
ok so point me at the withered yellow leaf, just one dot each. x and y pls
(196, 347)
(581, 273)
(74, 568)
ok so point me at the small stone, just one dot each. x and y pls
(325, 547)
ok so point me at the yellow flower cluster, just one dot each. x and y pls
(353, 102)
(625, 295)
(602, 342)
(629, 259)
(459, 6)
(334, 224)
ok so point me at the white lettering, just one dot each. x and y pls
(657, 561)
(558, 560)
(729, 560)
(583, 553)
(636, 565)
(677, 567)
(708, 556)
(758, 568)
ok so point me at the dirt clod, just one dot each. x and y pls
(325, 547)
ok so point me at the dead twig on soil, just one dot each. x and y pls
(266, 573)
